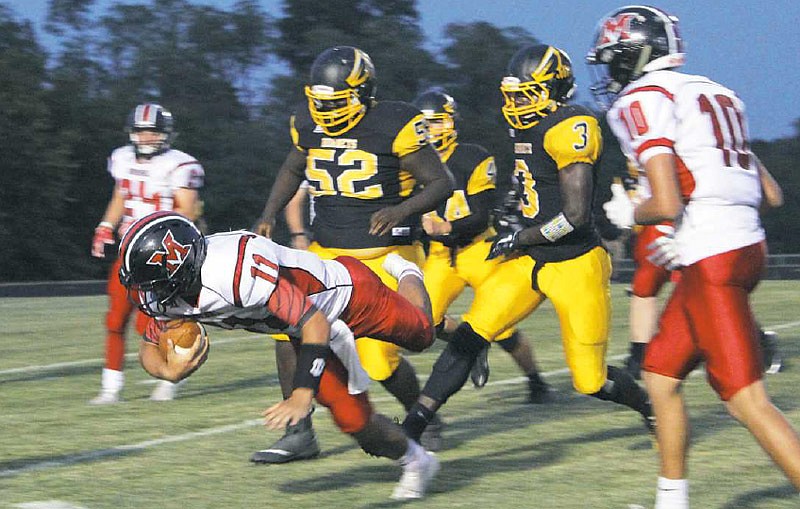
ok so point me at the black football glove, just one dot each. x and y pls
(506, 214)
(504, 244)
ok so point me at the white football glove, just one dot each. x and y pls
(663, 251)
(619, 209)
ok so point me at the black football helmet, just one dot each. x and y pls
(150, 117)
(630, 42)
(539, 78)
(439, 109)
(161, 254)
(341, 88)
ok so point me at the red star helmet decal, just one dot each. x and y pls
(616, 29)
(173, 255)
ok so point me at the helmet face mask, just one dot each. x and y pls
(539, 79)
(150, 129)
(162, 255)
(439, 110)
(628, 43)
(341, 88)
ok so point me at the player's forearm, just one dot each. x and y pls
(478, 220)
(773, 194)
(114, 210)
(295, 213)
(152, 361)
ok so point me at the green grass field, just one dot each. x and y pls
(500, 452)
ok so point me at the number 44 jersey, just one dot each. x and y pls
(703, 125)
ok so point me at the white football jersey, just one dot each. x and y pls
(703, 124)
(150, 185)
(250, 282)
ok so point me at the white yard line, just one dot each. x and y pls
(88, 362)
(147, 444)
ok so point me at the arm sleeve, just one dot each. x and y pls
(468, 227)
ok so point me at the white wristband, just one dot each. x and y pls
(105, 224)
(556, 228)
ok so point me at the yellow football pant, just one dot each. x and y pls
(580, 292)
(445, 282)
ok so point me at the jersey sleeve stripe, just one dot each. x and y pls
(652, 88)
(658, 142)
(237, 275)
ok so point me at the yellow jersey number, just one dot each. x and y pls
(361, 166)
(529, 196)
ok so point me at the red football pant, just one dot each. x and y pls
(378, 312)
(648, 278)
(351, 412)
(119, 312)
(708, 318)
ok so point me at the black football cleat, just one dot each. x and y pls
(480, 370)
(539, 392)
(298, 443)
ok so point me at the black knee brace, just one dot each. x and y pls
(452, 368)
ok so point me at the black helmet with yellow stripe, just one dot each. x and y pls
(539, 78)
(340, 89)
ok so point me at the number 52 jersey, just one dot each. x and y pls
(354, 175)
(702, 124)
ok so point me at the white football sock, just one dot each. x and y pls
(672, 494)
(412, 454)
(112, 380)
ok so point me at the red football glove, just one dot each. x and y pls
(103, 235)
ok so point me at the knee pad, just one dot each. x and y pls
(454, 364)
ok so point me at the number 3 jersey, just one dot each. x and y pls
(250, 282)
(567, 136)
(703, 125)
(354, 175)
(149, 186)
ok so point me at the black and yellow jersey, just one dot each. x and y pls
(353, 175)
(569, 135)
(474, 172)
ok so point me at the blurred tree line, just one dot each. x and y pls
(231, 78)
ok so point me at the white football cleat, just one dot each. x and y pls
(105, 397)
(398, 267)
(165, 391)
(416, 478)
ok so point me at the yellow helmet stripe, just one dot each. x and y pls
(357, 75)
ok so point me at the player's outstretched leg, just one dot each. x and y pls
(412, 288)
(382, 437)
(620, 387)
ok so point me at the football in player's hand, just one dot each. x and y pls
(182, 333)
